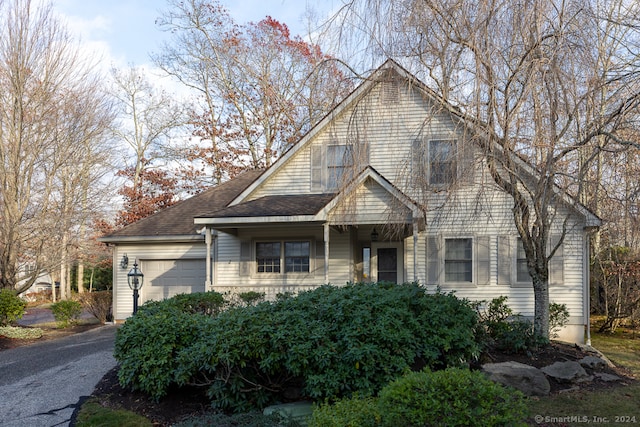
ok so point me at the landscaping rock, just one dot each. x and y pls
(528, 379)
(603, 376)
(593, 362)
(298, 411)
(571, 372)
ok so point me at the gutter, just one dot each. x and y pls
(155, 239)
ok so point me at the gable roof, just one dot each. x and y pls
(376, 77)
(380, 74)
(176, 222)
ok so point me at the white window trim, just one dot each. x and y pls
(515, 283)
(421, 161)
(474, 267)
(283, 272)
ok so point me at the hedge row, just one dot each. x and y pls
(326, 343)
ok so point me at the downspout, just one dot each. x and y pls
(415, 250)
(587, 287)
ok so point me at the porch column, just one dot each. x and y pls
(326, 253)
(415, 249)
(207, 241)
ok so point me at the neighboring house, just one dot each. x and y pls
(385, 187)
(42, 283)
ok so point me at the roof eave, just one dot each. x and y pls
(255, 220)
(184, 238)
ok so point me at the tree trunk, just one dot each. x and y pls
(541, 305)
(80, 278)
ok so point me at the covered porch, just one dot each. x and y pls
(367, 232)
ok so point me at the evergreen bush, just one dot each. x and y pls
(147, 344)
(330, 342)
(66, 312)
(11, 307)
(451, 397)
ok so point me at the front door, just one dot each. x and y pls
(387, 262)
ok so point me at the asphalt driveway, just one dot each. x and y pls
(42, 384)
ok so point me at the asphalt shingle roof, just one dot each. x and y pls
(177, 220)
(279, 205)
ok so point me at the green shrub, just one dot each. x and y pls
(349, 412)
(501, 329)
(98, 304)
(11, 307)
(147, 344)
(331, 342)
(207, 303)
(451, 397)
(558, 317)
(251, 297)
(66, 312)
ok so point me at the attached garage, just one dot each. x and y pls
(166, 278)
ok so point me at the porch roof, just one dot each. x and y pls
(312, 208)
(276, 206)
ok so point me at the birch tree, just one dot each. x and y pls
(550, 82)
(50, 100)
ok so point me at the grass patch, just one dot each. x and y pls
(619, 405)
(622, 348)
(92, 414)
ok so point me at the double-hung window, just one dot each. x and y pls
(287, 256)
(296, 257)
(339, 161)
(522, 271)
(268, 257)
(458, 260)
(442, 162)
(434, 162)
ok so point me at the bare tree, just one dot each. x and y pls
(50, 100)
(257, 88)
(541, 91)
(148, 117)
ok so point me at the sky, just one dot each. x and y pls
(123, 32)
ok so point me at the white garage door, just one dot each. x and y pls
(166, 278)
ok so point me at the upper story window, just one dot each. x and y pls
(339, 162)
(458, 260)
(333, 165)
(442, 162)
(434, 161)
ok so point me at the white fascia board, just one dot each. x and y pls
(239, 221)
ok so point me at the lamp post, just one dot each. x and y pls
(135, 279)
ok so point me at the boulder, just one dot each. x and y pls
(571, 372)
(603, 376)
(592, 362)
(528, 379)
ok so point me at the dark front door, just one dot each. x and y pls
(388, 265)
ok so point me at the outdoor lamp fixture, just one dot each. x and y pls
(124, 262)
(135, 279)
(374, 235)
